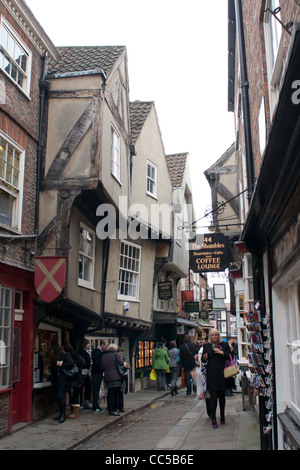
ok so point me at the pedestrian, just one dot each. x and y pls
(188, 350)
(97, 373)
(168, 372)
(86, 391)
(205, 392)
(215, 353)
(60, 394)
(69, 376)
(77, 381)
(230, 383)
(112, 378)
(124, 384)
(160, 361)
(175, 367)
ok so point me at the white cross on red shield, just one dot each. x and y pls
(49, 276)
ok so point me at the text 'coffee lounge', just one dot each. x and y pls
(208, 253)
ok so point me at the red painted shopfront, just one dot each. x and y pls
(17, 307)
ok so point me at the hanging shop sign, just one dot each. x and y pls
(165, 290)
(186, 296)
(190, 307)
(49, 276)
(207, 305)
(208, 253)
(203, 315)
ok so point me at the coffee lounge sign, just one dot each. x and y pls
(208, 253)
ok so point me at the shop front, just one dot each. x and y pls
(271, 234)
(55, 324)
(16, 328)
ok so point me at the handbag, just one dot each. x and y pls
(121, 369)
(231, 368)
(153, 375)
(71, 372)
(193, 373)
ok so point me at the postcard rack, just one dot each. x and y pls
(260, 358)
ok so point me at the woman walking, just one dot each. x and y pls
(174, 367)
(160, 361)
(215, 353)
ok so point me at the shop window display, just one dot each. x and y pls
(45, 341)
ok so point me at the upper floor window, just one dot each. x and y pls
(86, 257)
(115, 154)
(11, 181)
(129, 270)
(151, 179)
(15, 59)
(274, 50)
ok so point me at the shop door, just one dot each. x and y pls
(16, 394)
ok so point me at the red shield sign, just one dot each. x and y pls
(50, 276)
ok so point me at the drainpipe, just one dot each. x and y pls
(245, 96)
(44, 87)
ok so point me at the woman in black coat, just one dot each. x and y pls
(215, 353)
(68, 360)
(112, 377)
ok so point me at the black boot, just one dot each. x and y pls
(172, 391)
(57, 418)
(62, 418)
(175, 391)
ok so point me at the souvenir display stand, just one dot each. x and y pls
(261, 365)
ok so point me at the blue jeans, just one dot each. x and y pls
(160, 379)
(189, 382)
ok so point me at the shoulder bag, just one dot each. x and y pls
(123, 371)
(71, 372)
(231, 368)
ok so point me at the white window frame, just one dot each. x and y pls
(16, 41)
(151, 180)
(293, 343)
(87, 257)
(13, 190)
(129, 270)
(115, 154)
(6, 323)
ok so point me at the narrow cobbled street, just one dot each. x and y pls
(152, 421)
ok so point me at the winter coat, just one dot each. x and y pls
(215, 366)
(109, 362)
(188, 350)
(96, 361)
(87, 359)
(160, 359)
(173, 353)
(66, 383)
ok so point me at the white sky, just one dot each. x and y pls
(177, 57)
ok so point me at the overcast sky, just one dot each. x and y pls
(177, 57)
